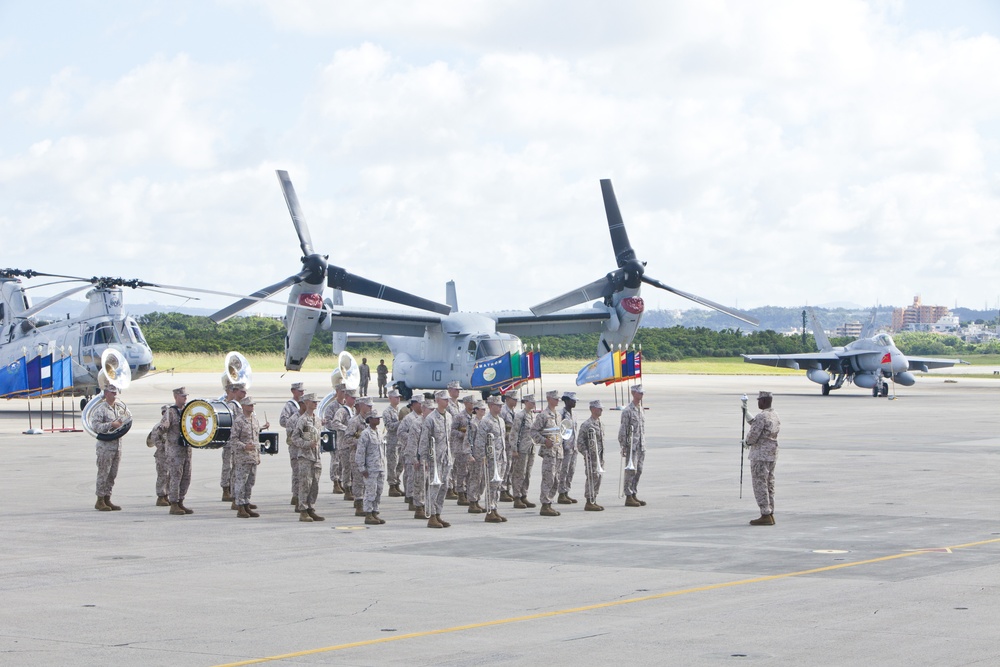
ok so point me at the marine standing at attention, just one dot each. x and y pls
(382, 375)
(568, 467)
(522, 453)
(365, 376)
(178, 454)
(246, 457)
(762, 440)
(289, 413)
(393, 461)
(108, 417)
(590, 442)
(234, 394)
(370, 459)
(545, 433)
(304, 440)
(632, 440)
(435, 450)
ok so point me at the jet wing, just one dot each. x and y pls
(381, 322)
(525, 323)
(818, 360)
(926, 363)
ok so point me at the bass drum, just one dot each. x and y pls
(206, 424)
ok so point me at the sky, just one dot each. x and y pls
(763, 153)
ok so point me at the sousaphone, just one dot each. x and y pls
(114, 371)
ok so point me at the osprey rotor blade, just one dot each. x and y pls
(599, 289)
(298, 217)
(705, 302)
(260, 295)
(619, 237)
(341, 279)
(39, 307)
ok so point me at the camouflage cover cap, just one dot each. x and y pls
(310, 397)
(470, 398)
(415, 399)
(480, 405)
(393, 393)
(596, 404)
(298, 386)
(181, 391)
(246, 400)
(571, 395)
(340, 386)
(637, 389)
(510, 396)
(528, 398)
(440, 393)
(238, 386)
(112, 388)
(365, 400)
(454, 384)
(372, 415)
(552, 394)
(495, 400)
(351, 392)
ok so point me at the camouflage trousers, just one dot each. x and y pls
(374, 483)
(550, 479)
(632, 476)
(475, 482)
(244, 477)
(308, 473)
(492, 488)
(567, 470)
(109, 454)
(357, 480)
(520, 473)
(762, 473)
(226, 478)
(461, 472)
(334, 467)
(436, 494)
(178, 472)
(295, 470)
(162, 473)
(345, 461)
(416, 487)
(393, 463)
(593, 484)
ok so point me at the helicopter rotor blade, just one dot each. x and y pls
(295, 209)
(599, 289)
(342, 279)
(37, 308)
(732, 312)
(616, 225)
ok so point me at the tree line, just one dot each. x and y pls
(176, 332)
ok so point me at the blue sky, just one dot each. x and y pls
(763, 153)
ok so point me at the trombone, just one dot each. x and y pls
(491, 452)
(435, 480)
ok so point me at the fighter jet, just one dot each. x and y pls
(867, 362)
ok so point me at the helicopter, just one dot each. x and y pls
(442, 344)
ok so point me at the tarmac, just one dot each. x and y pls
(886, 549)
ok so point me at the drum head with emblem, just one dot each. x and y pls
(199, 423)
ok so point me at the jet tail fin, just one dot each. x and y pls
(451, 296)
(868, 331)
(822, 342)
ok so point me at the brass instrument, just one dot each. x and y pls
(435, 480)
(237, 370)
(116, 372)
(346, 371)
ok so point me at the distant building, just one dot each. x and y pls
(852, 329)
(917, 317)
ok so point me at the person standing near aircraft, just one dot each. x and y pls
(435, 450)
(476, 481)
(370, 459)
(545, 433)
(355, 427)
(289, 413)
(328, 418)
(590, 442)
(454, 409)
(762, 441)
(488, 447)
(343, 415)
(409, 455)
(365, 375)
(390, 418)
(507, 413)
(178, 454)
(632, 440)
(382, 376)
(568, 467)
(246, 457)
(234, 394)
(304, 441)
(108, 417)
(160, 457)
(522, 452)
(460, 435)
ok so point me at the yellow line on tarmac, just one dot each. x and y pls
(592, 607)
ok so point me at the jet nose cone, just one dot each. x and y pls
(898, 364)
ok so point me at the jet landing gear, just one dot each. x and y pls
(880, 389)
(826, 388)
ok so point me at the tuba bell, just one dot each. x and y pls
(114, 371)
(347, 371)
(236, 369)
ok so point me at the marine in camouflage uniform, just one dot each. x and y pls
(160, 458)
(434, 438)
(106, 417)
(762, 440)
(405, 434)
(344, 455)
(365, 376)
(289, 413)
(477, 480)
(568, 468)
(550, 450)
(488, 447)
(327, 418)
(460, 434)
(382, 376)
(371, 463)
(522, 452)
(507, 413)
(633, 422)
(304, 443)
(455, 409)
(246, 457)
(390, 419)
(590, 442)
(178, 454)
(355, 427)
(234, 394)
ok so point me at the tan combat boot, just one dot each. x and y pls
(359, 508)
(505, 496)
(444, 524)
(304, 516)
(420, 513)
(177, 510)
(337, 488)
(226, 494)
(161, 501)
(233, 506)
(99, 505)
(463, 499)
(527, 503)
(107, 501)
(492, 517)
(315, 517)
(433, 522)
(630, 501)
(371, 519)
(547, 510)
(592, 507)
(349, 495)
(564, 499)
(764, 520)
(394, 491)
(380, 519)
(295, 500)
(180, 503)
(250, 511)
(242, 513)
(519, 504)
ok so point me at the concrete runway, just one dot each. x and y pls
(886, 549)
